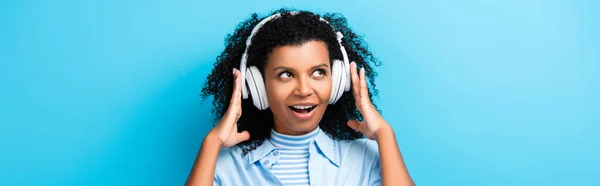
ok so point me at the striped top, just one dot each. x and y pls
(292, 166)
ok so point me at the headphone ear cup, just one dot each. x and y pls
(257, 88)
(348, 82)
(343, 80)
(335, 80)
(252, 88)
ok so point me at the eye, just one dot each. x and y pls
(285, 75)
(319, 73)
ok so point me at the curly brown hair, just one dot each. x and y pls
(288, 30)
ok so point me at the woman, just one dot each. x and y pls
(290, 115)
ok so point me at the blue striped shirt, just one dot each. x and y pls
(331, 162)
(292, 166)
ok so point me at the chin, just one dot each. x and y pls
(304, 120)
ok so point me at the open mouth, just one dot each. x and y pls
(302, 109)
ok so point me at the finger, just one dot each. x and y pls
(242, 136)
(364, 90)
(235, 103)
(237, 88)
(355, 82)
(356, 125)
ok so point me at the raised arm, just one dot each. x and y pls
(223, 135)
(393, 169)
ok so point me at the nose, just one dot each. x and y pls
(304, 88)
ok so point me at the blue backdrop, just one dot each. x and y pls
(501, 92)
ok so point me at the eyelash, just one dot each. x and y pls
(323, 72)
(284, 72)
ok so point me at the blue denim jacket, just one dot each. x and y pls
(331, 162)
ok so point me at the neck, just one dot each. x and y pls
(293, 131)
(299, 134)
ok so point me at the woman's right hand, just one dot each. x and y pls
(226, 130)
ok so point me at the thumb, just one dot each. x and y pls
(354, 124)
(243, 136)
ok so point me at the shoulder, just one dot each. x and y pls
(230, 159)
(230, 156)
(363, 147)
(362, 144)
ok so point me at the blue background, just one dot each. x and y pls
(502, 92)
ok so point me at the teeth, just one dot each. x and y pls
(302, 107)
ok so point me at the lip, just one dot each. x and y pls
(304, 116)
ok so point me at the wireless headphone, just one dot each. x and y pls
(340, 71)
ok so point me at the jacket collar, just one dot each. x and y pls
(325, 145)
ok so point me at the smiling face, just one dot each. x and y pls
(298, 85)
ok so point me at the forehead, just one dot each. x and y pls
(301, 56)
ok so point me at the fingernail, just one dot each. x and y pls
(353, 64)
(234, 71)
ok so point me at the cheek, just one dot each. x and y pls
(323, 89)
(277, 93)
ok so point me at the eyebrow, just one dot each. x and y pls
(312, 68)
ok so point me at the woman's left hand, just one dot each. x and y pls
(393, 169)
(373, 121)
